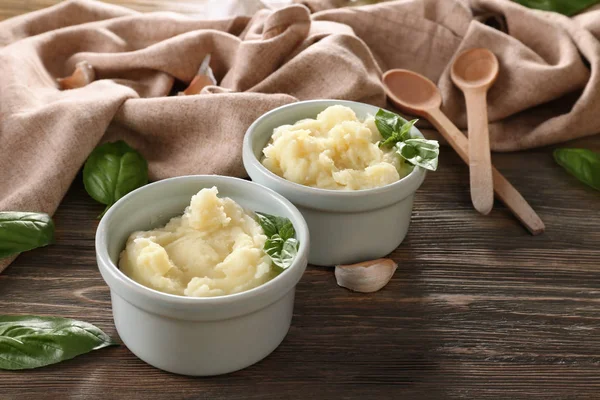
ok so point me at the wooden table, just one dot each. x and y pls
(478, 308)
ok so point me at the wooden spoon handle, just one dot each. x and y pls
(504, 190)
(480, 161)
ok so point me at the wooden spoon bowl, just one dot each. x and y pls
(411, 92)
(475, 68)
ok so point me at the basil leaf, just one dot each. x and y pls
(288, 253)
(401, 135)
(387, 123)
(22, 231)
(421, 152)
(281, 246)
(30, 342)
(112, 170)
(405, 130)
(268, 223)
(567, 7)
(274, 245)
(282, 252)
(396, 132)
(287, 231)
(272, 225)
(583, 164)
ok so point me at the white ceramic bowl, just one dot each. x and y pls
(345, 226)
(187, 335)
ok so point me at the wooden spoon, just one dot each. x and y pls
(474, 71)
(415, 94)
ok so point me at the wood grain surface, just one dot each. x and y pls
(478, 308)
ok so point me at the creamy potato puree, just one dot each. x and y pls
(215, 248)
(335, 151)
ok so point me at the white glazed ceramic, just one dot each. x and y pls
(345, 226)
(196, 336)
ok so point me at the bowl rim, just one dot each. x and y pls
(417, 172)
(105, 263)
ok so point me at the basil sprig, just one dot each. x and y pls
(400, 133)
(112, 170)
(395, 131)
(27, 341)
(22, 231)
(567, 7)
(583, 164)
(281, 245)
(421, 152)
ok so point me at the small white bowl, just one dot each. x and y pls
(192, 335)
(345, 226)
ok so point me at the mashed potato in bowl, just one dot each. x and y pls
(215, 248)
(334, 151)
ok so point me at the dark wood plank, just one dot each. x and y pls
(477, 309)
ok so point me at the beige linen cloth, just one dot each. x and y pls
(548, 89)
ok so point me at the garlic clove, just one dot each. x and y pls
(204, 77)
(197, 84)
(367, 276)
(84, 74)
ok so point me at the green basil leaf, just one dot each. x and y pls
(287, 230)
(401, 135)
(583, 164)
(406, 128)
(22, 231)
(288, 253)
(387, 123)
(273, 246)
(421, 152)
(112, 170)
(280, 246)
(268, 223)
(392, 140)
(396, 132)
(566, 7)
(272, 225)
(282, 252)
(30, 342)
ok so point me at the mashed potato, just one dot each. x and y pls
(335, 151)
(214, 249)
